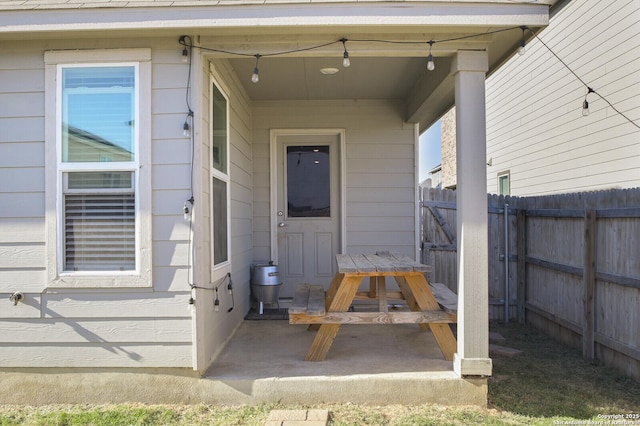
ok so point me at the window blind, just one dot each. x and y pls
(99, 232)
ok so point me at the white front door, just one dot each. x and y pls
(307, 208)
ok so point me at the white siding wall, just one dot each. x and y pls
(96, 327)
(214, 328)
(535, 128)
(380, 176)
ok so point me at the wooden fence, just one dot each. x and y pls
(572, 262)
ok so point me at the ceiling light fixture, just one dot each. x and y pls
(329, 71)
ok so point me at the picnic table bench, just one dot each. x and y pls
(328, 311)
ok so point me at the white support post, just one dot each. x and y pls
(472, 359)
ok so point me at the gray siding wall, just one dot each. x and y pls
(211, 339)
(149, 327)
(380, 170)
(535, 128)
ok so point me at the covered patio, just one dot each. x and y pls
(372, 364)
(229, 92)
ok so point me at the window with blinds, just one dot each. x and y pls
(98, 166)
(99, 232)
(98, 211)
(99, 221)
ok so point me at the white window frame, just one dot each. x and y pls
(217, 270)
(55, 62)
(506, 174)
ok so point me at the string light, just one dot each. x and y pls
(216, 303)
(521, 49)
(430, 65)
(346, 62)
(185, 51)
(186, 129)
(256, 72)
(188, 207)
(585, 104)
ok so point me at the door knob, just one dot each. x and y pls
(282, 225)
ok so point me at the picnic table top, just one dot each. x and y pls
(381, 262)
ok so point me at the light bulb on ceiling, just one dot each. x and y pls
(346, 62)
(255, 77)
(521, 49)
(430, 64)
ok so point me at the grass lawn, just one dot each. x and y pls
(548, 384)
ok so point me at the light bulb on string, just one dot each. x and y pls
(255, 77)
(186, 128)
(521, 49)
(216, 303)
(346, 62)
(585, 103)
(187, 209)
(430, 64)
(185, 51)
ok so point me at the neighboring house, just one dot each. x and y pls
(119, 120)
(538, 140)
(436, 176)
(448, 144)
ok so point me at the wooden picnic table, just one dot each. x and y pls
(414, 289)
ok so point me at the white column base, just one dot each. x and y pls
(472, 366)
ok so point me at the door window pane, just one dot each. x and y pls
(98, 114)
(308, 181)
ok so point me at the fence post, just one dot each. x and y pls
(589, 282)
(522, 264)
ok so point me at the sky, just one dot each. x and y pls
(430, 150)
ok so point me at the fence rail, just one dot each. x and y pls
(568, 264)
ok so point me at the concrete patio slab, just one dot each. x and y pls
(264, 363)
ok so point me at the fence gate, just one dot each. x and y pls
(439, 247)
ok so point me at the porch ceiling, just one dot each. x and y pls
(378, 70)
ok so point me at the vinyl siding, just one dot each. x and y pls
(97, 327)
(212, 339)
(535, 127)
(379, 155)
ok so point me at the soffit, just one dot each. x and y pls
(378, 70)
